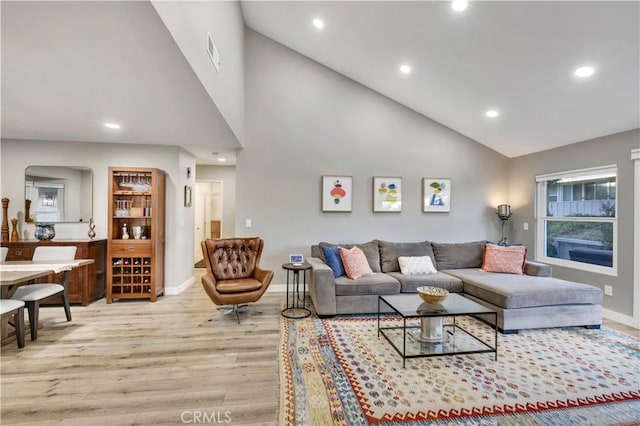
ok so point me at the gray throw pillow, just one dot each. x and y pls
(389, 253)
(458, 255)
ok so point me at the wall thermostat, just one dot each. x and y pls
(296, 259)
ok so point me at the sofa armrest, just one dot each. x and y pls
(322, 287)
(537, 269)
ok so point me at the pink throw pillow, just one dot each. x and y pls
(507, 259)
(355, 262)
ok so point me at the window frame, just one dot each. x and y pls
(542, 219)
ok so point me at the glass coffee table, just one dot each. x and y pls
(424, 333)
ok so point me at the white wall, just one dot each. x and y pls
(188, 22)
(179, 235)
(17, 155)
(304, 120)
(612, 149)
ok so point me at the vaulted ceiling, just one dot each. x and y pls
(515, 57)
(66, 67)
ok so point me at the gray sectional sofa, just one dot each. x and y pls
(531, 300)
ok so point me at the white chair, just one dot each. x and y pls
(33, 294)
(3, 253)
(15, 308)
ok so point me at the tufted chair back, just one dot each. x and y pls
(233, 258)
(234, 276)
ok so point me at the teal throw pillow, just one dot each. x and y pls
(332, 257)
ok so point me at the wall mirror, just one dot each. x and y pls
(58, 194)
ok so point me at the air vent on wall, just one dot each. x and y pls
(213, 52)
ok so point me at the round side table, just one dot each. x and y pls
(295, 308)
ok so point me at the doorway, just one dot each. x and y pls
(208, 215)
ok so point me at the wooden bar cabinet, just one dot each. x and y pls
(135, 255)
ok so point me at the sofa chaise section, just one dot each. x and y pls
(511, 291)
(525, 301)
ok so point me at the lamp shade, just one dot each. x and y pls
(504, 211)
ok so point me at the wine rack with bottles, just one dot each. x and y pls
(135, 252)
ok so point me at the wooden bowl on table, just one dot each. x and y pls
(432, 295)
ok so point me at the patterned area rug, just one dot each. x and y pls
(338, 372)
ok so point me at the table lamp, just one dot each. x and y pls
(504, 213)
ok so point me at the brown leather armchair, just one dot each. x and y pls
(233, 274)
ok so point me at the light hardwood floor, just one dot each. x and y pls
(136, 362)
(621, 327)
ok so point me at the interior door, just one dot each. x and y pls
(208, 205)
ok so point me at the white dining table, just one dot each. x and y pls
(17, 277)
(15, 273)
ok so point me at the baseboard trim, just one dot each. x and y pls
(618, 317)
(277, 288)
(173, 291)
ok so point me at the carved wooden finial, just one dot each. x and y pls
(27, 208)
(14, 230)
(5, 220)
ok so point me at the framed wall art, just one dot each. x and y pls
(387, 194)
(337, 193)
(436, 195)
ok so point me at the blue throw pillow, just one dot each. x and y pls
(333, 259)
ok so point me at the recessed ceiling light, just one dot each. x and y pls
(492, 113)
(222, 159)
(459, 5)
(405, 69)
(584, 71)
(112, 125)
(318, 23)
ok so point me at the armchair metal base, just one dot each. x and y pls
(229, 310)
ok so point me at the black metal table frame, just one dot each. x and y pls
(453, 327)
(295, 291)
